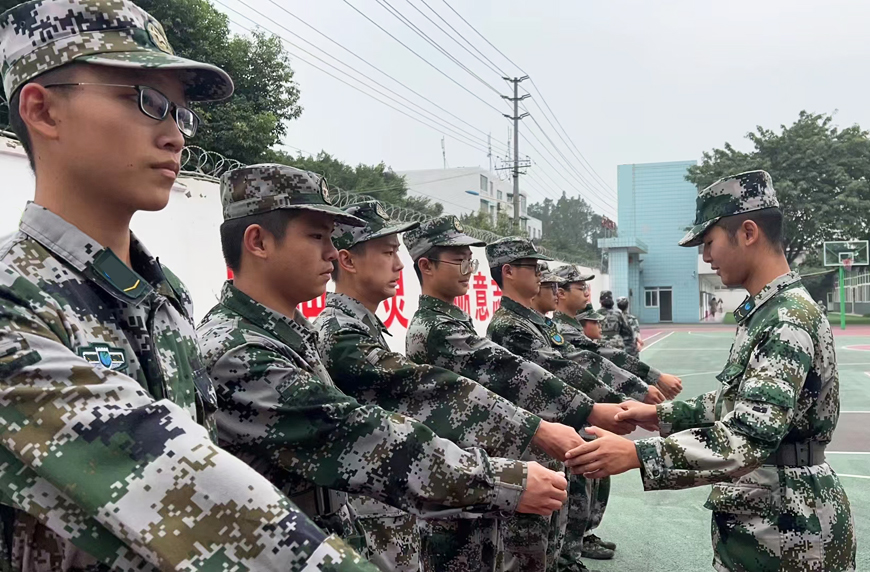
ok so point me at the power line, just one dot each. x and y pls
(379, 70)
(483, 37)
(439, 70)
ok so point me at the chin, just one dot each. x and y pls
(154, 201)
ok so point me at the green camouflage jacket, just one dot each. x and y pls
(442, 334)
(572, 330)
(103, 397)
(280, 411)
(620, 380)
(614, 328)
(633, 323)
(779, 386)
(525, 332)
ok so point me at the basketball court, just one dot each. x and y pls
(670, 530)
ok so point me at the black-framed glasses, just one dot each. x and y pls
(539, 268)
(582, 286)
(466, 266)
(153, 104)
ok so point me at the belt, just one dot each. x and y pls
(804, 454)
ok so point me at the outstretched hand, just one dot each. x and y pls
(641, 414)
(607, 455)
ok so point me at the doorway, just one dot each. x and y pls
(666, 309)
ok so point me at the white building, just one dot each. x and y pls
(468, 190)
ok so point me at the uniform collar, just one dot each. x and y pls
(751, 304)
(94, 261)
(523, 312)
(435, 305)
(354, 308)
(295, 332)
(570, 320)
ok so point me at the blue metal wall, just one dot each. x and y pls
(656, 205)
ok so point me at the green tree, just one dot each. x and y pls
(569, 225)
(821, 174)
(378, 180)
(503, 223)
(266, 98)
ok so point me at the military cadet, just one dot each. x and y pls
(440, 333)
(614, 327)
(359, 360)
(278, 407)
(760, 439)
(590, 321)
(574, 298)
(107, 457)
(633, 343)
(517, 267)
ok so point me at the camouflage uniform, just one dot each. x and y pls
(280, 411)
(760, 439)
(107, 460)
(527, 333)
(358, 358)
(614, 329)
(634, 324)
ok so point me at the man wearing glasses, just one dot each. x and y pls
(355, 352)
(573, 298)
(440, 333)
(107, 459)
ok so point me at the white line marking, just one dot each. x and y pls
(695, 349)
(666, 336)
(854, 411)
(681, 375)
(867, 373)
(847, 452)
(853, 476)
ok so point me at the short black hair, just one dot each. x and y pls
(606, 302)
(622, 304)
(770, 221)
(355, 249)
(62, 74)
(233, 232)
(433, 255)
(496, 273)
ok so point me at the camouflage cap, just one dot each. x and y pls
(746, 192)
(510, 248)
(444, 230)
(572, 274)
(41, 35)
(590, 314)
(549, 277)
(378, 224)
(605, 294)
(263, 188)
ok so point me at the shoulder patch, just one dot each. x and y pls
(557, 338)
(104, 355)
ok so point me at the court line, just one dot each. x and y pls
(854, 411)
(867, 373)
(847, 452)
(853, 476)
(696, 349)
(666, 336)
(681, 375)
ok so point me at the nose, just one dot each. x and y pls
(705, 254)
(330, 253)
(170, 137)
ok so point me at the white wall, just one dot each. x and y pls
(185, 237)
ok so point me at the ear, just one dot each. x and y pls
(257, 242)
(750, 233)
(345, 262)
(507, 271)
(39, 109)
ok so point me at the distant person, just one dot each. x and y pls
(760, 438)
(713, 308)
(634, 343)
(720, 307)
(614, 328)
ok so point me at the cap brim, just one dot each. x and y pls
(695, 236)
(204, 82)
(537, 256)
(390, 230)
(461, 240)
(340, 216)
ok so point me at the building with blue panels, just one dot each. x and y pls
(665, 282)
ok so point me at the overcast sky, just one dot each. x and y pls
(630, 81)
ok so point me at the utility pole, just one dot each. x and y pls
(516, 99)
(444, 153)
(489, 150)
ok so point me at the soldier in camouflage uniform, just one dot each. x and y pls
(359, 360)
(278, 407)
(574, 298)
(107, 455)
(760, 439)
(634, 343)
(516, 267)
(614, 327)
(442, 334)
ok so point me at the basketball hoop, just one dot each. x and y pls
(847, 263)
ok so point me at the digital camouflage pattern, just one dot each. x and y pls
(634, 324)
(506, 250)
(359, 360)
(105, 405)
(572, 330)
(258, 189)
(779, 387)
(550, 277)
(378, 224)
(750, 191)
(614, 329)
(572, 274)
(440, 231)
(442, 334)
(41, 35)
(280, 411)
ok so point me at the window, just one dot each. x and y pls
(491, 185)
(523, 203)
(651, 297)
(484, 184)
(500, 196)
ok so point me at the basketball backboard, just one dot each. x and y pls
(846, 253)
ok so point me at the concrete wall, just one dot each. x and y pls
(656, 204)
